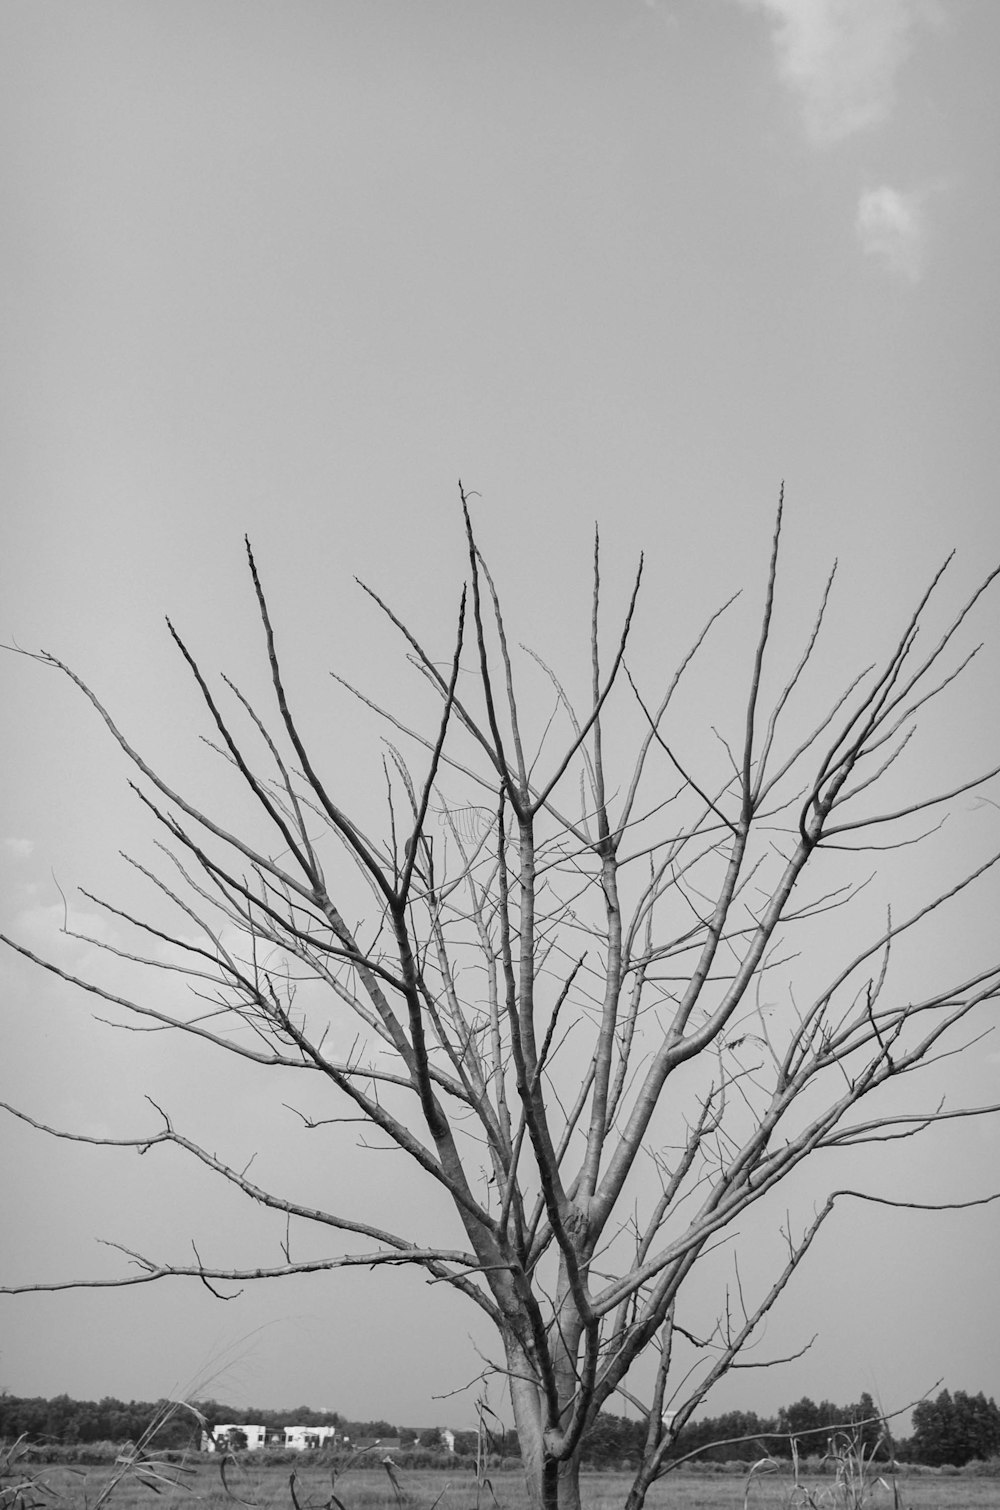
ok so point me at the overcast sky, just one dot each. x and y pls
(292, 270)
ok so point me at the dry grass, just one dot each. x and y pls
(268, 1489)
(23, 1484)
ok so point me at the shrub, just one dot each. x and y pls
(983, 1468)
(96, 1452)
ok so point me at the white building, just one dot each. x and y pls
(299, 1438)
(304, 1438)
(220, 1439)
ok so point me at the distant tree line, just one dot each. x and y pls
(951, 1429)
(742, 1435)
(954, 1429)
(67, 1421)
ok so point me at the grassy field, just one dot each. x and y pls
(268, 1488)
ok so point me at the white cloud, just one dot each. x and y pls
(890, 227)
(841, 57)
(48, 926)
(20, 849)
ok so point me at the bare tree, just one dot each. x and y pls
(548, 945)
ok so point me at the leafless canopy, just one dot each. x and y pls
(545, 946)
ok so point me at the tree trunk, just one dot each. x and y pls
(551, 1485)
(637, 1493)
(569, 1483)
